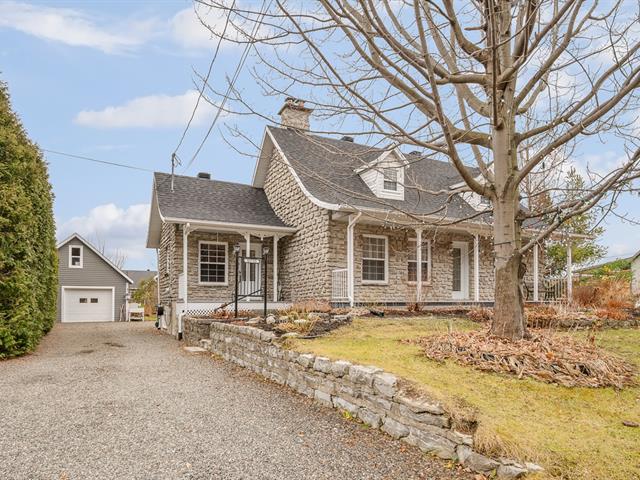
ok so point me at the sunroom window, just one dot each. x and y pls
(374, 259)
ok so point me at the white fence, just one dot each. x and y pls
(339, 289)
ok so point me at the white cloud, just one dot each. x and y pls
(121, 230)
(151, 111)
(187, 30)
(75, 28)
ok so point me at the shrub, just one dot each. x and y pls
(28, 258)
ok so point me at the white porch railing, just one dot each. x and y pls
(555, 289)
(339, 289)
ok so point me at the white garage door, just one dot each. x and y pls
(87, 305)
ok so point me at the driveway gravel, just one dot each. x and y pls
(123, 401)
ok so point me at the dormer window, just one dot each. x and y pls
(75, 256)
(390, 179)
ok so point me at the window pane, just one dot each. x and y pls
(457, 270)
(94, 300)
(212, 263)
(75, 251)
(75, 261)
(373, 270)
(83, 300)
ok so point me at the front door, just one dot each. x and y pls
(250, 268)
(460, 274)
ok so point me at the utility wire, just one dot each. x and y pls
(206, 78)
(104, 162)
(236, 74)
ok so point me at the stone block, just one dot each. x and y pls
(510, 472)
(343, 404)
(394, 428)
(370, 418)
(431, 443)
(419, 405)
(363, 375)
(267, 336)
(403, 413)
(323, 398)
(340, 368)
(322, 364)
(306, 360)
(475, 461)
(385, 384)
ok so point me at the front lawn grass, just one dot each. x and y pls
(575, 433)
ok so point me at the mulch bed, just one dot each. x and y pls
(544, 357)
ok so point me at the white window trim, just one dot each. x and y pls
(226, 264)
(71, 247)
(428, 280)
(386, 262)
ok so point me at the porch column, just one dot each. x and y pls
(569, 273)
(418, 265)
(351, 257)
(476, 268)
(275, 268)
(247, 237)
(536, 260)
(185, 274)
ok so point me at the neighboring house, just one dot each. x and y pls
(329, 212)
(138, 276)
(635, 274)
(91, 288)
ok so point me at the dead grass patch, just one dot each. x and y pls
(544, 357)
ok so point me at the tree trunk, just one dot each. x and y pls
(508, 319)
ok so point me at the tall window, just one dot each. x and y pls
(75, 256)
(374, 259)
(213, 263)
(412, 265)
(390, 179)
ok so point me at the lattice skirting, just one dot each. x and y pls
(205, 309)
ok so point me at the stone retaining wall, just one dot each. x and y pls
(375, 397)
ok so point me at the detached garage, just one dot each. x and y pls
(91, 288)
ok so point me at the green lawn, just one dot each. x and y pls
(575, 433)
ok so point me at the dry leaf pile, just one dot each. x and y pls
(547, 358)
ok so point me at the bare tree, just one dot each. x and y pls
(117, 257)
(505, 90)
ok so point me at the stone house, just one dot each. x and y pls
(342, 222)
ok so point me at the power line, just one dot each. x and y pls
(236, 74)
(104, 162)
(206, 79)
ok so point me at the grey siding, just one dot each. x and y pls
(95, 272)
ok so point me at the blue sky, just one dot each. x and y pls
(114, 81)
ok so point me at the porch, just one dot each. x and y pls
(224, 264)
(377, 264)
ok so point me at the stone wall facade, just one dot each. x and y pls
(377, 398)
(305, 272)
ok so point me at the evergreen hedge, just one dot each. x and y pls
(28, 257)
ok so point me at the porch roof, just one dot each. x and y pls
(212, 203)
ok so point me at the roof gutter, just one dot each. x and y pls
(229, 225)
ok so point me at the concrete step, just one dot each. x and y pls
(205, 343)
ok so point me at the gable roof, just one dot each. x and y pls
(138, 275)
(77, 236)
(202, 200)
(196, 198)
(326, 168)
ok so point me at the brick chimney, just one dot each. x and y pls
(294, 114)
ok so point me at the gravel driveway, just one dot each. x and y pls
(122, 401)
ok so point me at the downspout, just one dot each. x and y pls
(185, 256)
(353, 219)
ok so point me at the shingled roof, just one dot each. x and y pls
(208, 200)
(326, 167)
